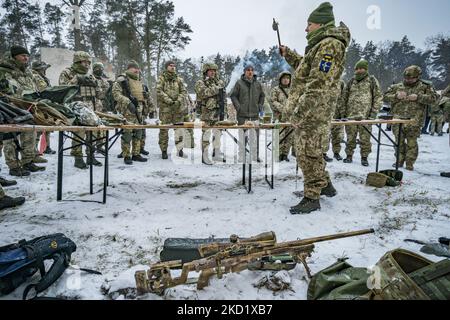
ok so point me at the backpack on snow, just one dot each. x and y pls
(22, 260)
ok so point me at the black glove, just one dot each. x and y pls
(86, 81)
(4, 85)
(151, 115)
(132, 107)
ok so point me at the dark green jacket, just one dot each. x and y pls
(248, 97)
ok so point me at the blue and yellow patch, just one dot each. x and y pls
(326, 63)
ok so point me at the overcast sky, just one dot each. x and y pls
(234, 26)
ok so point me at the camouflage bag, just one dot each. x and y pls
(84, 115)
(380, 180)
(405, 275)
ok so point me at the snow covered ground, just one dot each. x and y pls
(150, 202)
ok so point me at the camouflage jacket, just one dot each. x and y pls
(278, 98)
(87, 94)
(169, 89)
(207, 92)
(363, 99)
(20, 81)
(414, 110)
(315, 84)
(103, 86)
(41, 81)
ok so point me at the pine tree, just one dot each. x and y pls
(354, 53)
(54, 21)
(37, 29)
(17, 19)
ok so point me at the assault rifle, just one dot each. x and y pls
(220, 258)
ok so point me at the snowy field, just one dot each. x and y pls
(150, 202)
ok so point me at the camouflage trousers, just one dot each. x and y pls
(144, 137)
(337, 134)
(309, 152)
(287, 143)
(28, 153)
(408, 145)
(206, 136)
(131, 139)
(364, 140)
(437, 122)
(77, 148)
(171, 118)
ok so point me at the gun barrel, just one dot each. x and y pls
(333, 237)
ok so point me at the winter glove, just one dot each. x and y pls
(4, 85)
(86, 81)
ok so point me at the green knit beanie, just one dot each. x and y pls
(362, 64)
(323, 14)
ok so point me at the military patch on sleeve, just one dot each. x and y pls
(326, 63)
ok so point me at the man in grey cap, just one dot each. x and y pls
(248, 100)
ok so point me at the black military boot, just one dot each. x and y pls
(19, 172)
(79, 163)
(93, 161)
(181, 154)
(139, 158)
(127, 161)
(445, 174)
(338, 157)
(49, 150)
(306, 206)
(145, 152)
(326, 158)
(9, 202)
(32, 167)
(329, 191)
(164, 155)
(120, 156)
(364, 161)
(7, 183)
(349, 159)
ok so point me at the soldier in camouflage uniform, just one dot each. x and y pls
(148, 112)
(278, 98)
(314, 92)
(102, 88)
(78, 74)
(14, 69)
(39, 68)
(362, 99)
(208, 92)
(408, 100)
(171, 99)
(129, 93)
